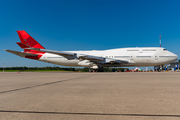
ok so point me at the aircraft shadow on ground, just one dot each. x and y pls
(44, 84)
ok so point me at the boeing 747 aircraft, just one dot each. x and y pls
(95, 59)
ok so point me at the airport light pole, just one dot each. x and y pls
(160, 40)
(178, 65)
(3, 67)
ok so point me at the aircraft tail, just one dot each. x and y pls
(27, 41)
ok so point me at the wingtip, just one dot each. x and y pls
(5, 49)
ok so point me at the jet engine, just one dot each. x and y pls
(85, 63)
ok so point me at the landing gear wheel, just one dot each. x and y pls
(96, 70)
(90, 70)
(100, 70)
(160, 68)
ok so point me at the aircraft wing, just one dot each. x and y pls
(21, 54)
(70, 55)
(98, 59)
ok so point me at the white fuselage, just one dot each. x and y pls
(145, 56)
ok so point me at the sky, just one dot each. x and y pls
(67, 25)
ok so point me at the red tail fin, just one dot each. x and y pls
(27, 40)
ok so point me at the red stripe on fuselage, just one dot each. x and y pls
(35, 57)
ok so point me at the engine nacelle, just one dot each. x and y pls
(85, 63)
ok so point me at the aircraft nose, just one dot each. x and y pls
(174, 57)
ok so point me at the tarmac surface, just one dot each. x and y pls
(89, 96)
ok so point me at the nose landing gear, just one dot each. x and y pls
(158, 68)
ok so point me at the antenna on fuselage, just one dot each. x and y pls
(160, 40)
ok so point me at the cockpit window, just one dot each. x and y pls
(165, 49)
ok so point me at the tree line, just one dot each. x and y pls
(83, 69)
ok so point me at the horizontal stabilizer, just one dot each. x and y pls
(21, 54)
(22, 45)
(62, 53)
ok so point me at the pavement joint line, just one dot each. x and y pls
(79, 113)
(43, 84)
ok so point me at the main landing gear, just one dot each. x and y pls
(96, 70)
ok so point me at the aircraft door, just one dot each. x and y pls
(132, 57)
(156, 57)
(45, 58)
(140, 51)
